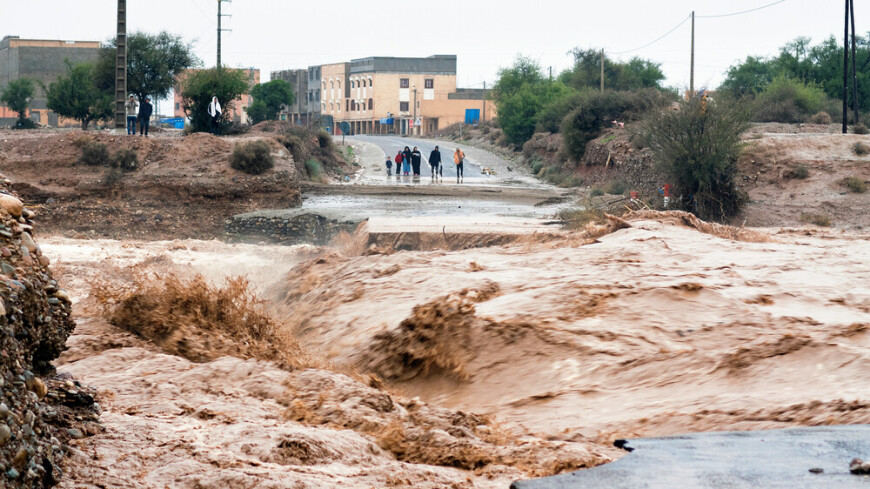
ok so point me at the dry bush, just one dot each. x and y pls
(126, 160)
(94, 154)
(817, 219)
(82, 140)
(190, 317)
(855, 184)
(861, 149)
(800, 172)
(860, 128)
(820, 117)
(253, 157)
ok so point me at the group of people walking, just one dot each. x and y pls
(143, 116)
(408, 160)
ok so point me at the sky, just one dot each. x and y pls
(484, 34)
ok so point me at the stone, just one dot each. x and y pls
(5, 434)
(7, 269)
(12, 474)
(859, 467)
(37, 386)
(4, 410)
(44, 261)
(5, 251)
(21, 458)
(75, 433)
(62, 295)
(27, 242)
(11, 205)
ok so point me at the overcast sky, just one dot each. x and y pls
(485, 34)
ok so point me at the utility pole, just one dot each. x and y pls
(219, 30)
(854, 73)
(551, 73)
(846, 70)
(692, 62)
(121, 67)
(602, 71)
(416, 129)
(484, 101)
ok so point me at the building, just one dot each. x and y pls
(335, 87)
(314, 74)
(238, 106)
(43, 61)
(386, 95)
(297, 112)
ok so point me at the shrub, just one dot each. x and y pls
(697, 149)
(817, 219)
(537, 165)
(800, 172)
(324, 140)
(821, 117)
(788, 100)
(94, 154)
(615, 188)
(253, 158)
(860, 128)
(572, 181)
(199, 86)
(577, 218)
(861, 149)
(855, 185)
(82, 140)
(596, 192)
(126, 160)
(315, 170)
(111, 177)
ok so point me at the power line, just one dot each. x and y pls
(739, 13)
(658, 38)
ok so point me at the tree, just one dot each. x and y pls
(76, 95)
(268, 99)
(521, 94)
(199, 86)
(636, 73)
(16, 96)
(153, 64)
(749, 77)
(697, 148)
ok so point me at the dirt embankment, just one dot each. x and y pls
(183, 187)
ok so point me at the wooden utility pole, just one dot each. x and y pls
(483, 117)
(121, 66)
(854, 73)
(692, 62)
(846, 70)
(602, 71)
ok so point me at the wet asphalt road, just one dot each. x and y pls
(734, 460)
(392, 144)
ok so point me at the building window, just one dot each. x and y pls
(371, 104)
(370, 81)
(428, 83)
(353, 105)
(352, 84)
(404, 83)
(338, 84)
(403, 106)
(177, 106)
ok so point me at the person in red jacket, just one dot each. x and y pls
(398, 159)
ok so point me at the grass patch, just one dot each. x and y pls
(596, 192)
(861, 149)
(817, 219)
(314, 170)
(607, 139)
(855, 185)
(579, 217)
(615, 188)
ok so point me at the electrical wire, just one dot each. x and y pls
(738, 13)
(658, 38)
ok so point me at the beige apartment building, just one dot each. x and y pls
(384, 95)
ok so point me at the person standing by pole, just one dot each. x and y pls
(130, 107)
(435, 164)
(406, 159)
(214, 111)
(145, 111)
(459, 159)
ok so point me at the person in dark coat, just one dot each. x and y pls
(406, 154)
(145, 116)
(415, 161)
(389, 165)
(435, 163)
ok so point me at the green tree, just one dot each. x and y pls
(199, 86)
(268, 99)
(154, 61)
(17, 96)
(636, 73)
(749, 77)
(521, 94)
(76, 95)
(697, 148)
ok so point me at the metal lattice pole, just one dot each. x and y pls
(121, 66)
